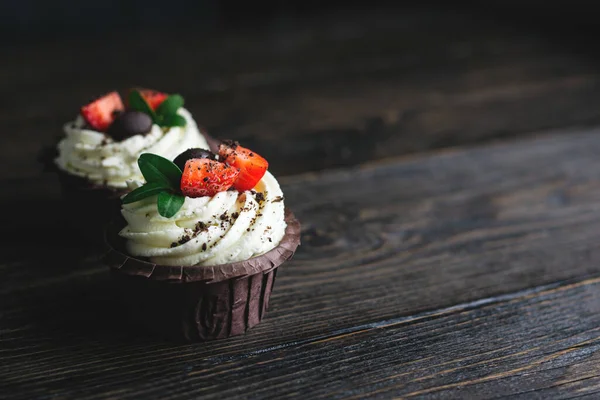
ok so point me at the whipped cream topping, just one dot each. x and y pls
(228, 227)
(95, 156)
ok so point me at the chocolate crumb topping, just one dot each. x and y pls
(277, 199)
(200, 226)
(235, 215)
(223, 216)
(203, 246)
(185, 239)
(260, 197)
(231, 143)
(252, 221)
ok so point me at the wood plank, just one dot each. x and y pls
(380, 242)
(339, 93)
(540, 343)
(543, 344)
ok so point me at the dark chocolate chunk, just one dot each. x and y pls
(128, 124)
(193, 153)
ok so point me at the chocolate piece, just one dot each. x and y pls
(130, 123)
(189, 154)
(197, 303)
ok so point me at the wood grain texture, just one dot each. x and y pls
(413, 278)
(526, 345)
(539, 343)
(523, 345)
(332, 92)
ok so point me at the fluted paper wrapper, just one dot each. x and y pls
(198, 303)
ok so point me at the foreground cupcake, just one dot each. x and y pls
(196, 253)
(99, 151)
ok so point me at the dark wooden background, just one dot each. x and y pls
(444, 162)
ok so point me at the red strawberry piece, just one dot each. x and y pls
(101, 112)
(205, 177)
(251, 165)
(153, 97)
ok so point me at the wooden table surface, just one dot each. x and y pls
(448, 189)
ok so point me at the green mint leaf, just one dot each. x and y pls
(169, 203)
(170, 105)
(137, 102)
(157, 169)
(158, 120)
(173, 120)
(147, 190)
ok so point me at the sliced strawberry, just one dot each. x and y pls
(101, 112)
(252, 166)
(153, 97)
(205, 177)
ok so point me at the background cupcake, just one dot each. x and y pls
(196, 253)
(99, 151)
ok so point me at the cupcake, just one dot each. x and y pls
(196, 248)
(99, 150)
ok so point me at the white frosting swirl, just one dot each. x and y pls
(228, 227)
(95, 156)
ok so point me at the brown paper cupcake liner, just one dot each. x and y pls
(198, 303)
